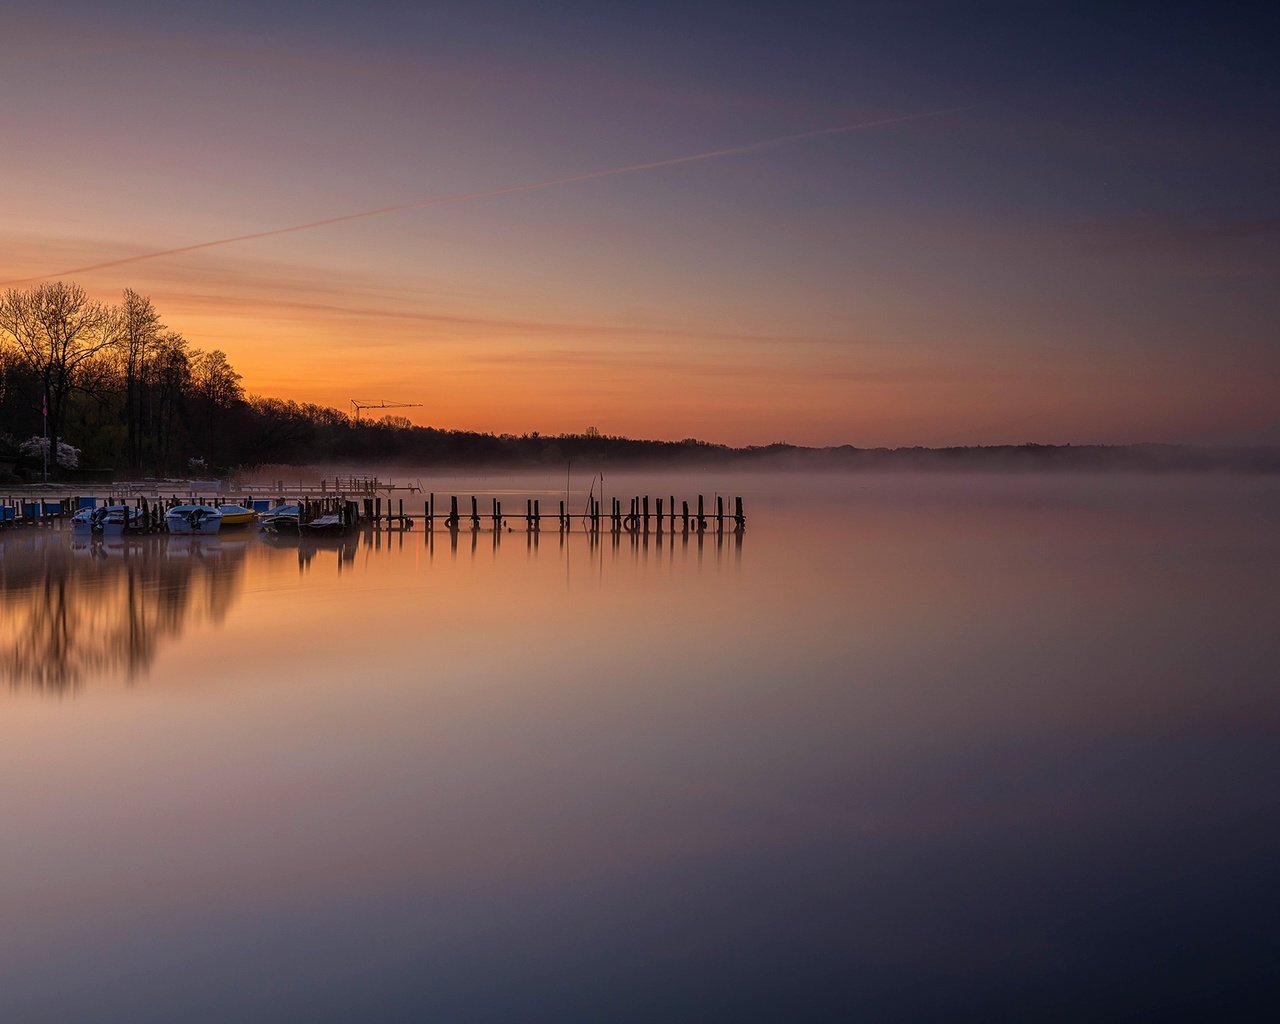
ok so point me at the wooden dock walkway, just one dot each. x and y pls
(643, 514)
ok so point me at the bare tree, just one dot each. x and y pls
(168, 377)
(55, 330)
(214, 380)
(136, 338)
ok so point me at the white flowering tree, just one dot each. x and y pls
(38, 447)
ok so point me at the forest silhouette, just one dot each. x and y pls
(135, 398)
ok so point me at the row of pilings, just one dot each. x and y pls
(643, 515)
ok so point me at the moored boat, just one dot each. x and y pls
(236, 515)
(332, 525)
(281, 519)
(120, 519)
(108, 519)
(193, 519)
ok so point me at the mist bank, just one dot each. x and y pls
(427, 447)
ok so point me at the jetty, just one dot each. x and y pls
(366, 502)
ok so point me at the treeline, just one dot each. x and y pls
(113, 381)
(135, 398)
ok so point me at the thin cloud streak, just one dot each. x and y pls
(464, 197)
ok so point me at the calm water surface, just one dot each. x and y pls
(914, 748)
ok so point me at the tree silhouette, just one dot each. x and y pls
(55, 331)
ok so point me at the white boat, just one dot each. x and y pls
(120, 518)
(193, 519)
(82, 521)
(108, 519)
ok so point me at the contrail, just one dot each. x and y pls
(533, 186)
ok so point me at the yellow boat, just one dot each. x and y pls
(236, 515)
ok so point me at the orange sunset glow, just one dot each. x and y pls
(951, 264)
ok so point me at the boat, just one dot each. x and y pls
(83, 521)
(108, 519)
(193, 519)
(236, 515)
(332, 525)
(281, 519)
(120, 518)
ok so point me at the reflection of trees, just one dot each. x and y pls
(75, 608)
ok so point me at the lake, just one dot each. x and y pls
(913, 747)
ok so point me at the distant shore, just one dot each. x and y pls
(591, 454)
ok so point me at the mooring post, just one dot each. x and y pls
(528, 515)
(475, 514)
(719, 513)
(562, 515)
(377, 506)
(684, 514)
(430, 510)
(646, 513)
(452, 521)
(658, 517)
(537, 516)
(702, 519)
(738, 518)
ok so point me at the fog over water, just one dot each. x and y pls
(913, 747)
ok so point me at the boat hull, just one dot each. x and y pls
(193, 519)
(236, 515)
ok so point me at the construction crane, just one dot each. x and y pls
(359, 405)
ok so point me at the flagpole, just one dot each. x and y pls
(45, 412)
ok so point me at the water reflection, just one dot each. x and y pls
(77, 607)
(999, 748)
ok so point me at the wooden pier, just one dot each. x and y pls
(643, 514)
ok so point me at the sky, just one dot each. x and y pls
(1039, 222)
